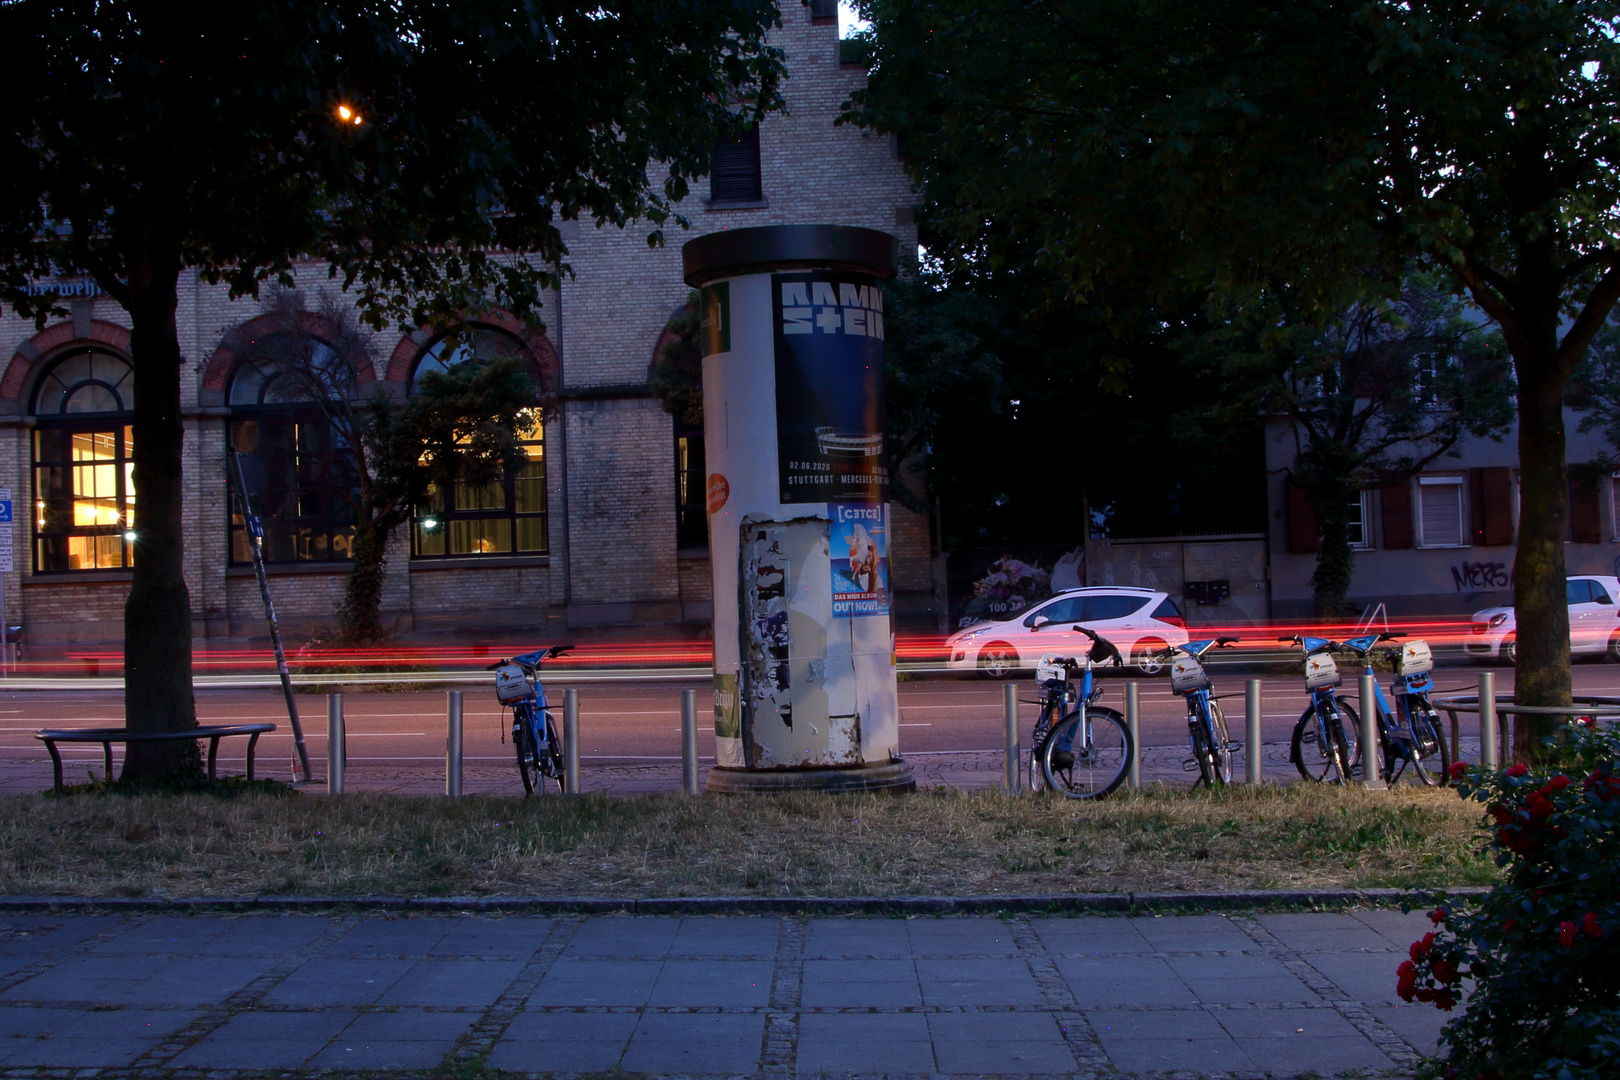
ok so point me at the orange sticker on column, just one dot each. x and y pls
(719, 492)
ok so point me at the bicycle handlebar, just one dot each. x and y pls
(540, 657)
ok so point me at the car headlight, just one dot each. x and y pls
(971, 634)
(1498, 619)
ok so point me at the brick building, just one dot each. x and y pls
(603, 529)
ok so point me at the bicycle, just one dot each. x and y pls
(1409, 733)
(1323, 748)
(539, 750)
(1105, 746)
(1206, 721)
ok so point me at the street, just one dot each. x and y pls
(950, 729)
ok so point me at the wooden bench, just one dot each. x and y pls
(107, 736)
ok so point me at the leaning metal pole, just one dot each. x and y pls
(255, 531)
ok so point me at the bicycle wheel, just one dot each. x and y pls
(1430, 760)
(1335, 762)
(1222, 750)
(554, 758)
(528, 762)
(1082, 768)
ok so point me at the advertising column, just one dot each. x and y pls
(805, 692)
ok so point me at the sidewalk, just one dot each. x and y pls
(160, 996)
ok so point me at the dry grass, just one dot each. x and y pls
(934, 843)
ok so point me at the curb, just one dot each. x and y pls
(1061, 903)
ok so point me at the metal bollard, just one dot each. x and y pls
(1370, 777)
(1133, 724)
(335, 748)
(571, 741)
(1012, 753)
(1253, 767)
(689, 769)
(452, 744)
(1489, 753)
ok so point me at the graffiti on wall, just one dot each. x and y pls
(1482, 575)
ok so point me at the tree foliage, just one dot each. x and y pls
(1375, 394)
(411, 147)
(1146, 149)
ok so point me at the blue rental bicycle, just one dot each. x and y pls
(534, 737)
(1206, 722)
(1324, 743)
(1083, 753)
(1409, 735)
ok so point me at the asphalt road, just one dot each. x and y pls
(631, 722)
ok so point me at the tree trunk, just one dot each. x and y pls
(157, 616)
(360, 614)
(1335, 561)
(1540, 605)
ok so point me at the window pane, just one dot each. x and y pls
(1357, 529)
(529, 488)
(531, 534)
(1442, 514)
(480, 537)
(430, 541)
(1578, 591)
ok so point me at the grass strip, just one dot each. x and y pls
(934, 843)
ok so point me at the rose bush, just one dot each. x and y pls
(1542, 949)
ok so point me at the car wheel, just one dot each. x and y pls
(1511, 651)
(1143, 660)
(1614, 648)
(997, 660)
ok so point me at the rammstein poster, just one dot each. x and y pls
(829, 387)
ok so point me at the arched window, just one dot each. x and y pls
(504, 518)
(84, 490)
(296, 464)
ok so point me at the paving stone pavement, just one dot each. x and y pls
(1260, 995)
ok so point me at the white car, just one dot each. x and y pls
(1137, 621)
(1594, 623)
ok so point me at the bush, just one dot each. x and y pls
(1541, 947)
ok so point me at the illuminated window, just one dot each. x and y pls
(507, 517)
(84, 489)
(298, 471)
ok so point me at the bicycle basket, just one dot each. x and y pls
(1414, 658)
(1051, 669)
(511, 684)
(1188, 675)
(1321, 670)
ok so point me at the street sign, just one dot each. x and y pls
(5, 504)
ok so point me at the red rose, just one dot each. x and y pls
(1422, 946)
(1445, 971)
(1445, 1000)
(1557, 783)
(1424, 994)
(1540, 808)
(1458, 770)
(1437, 916)
(1566, 934)
(1501, 814)
(1406, 980)
(1591, 926)
(1518, 770)
(1508, 926)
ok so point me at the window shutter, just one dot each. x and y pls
(823, 12)
(1584, 524)
(1440, 503)
(1397, 508)
(1302, 536)
(734, 169)
(1491, 505)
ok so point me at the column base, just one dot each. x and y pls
(890, 776)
